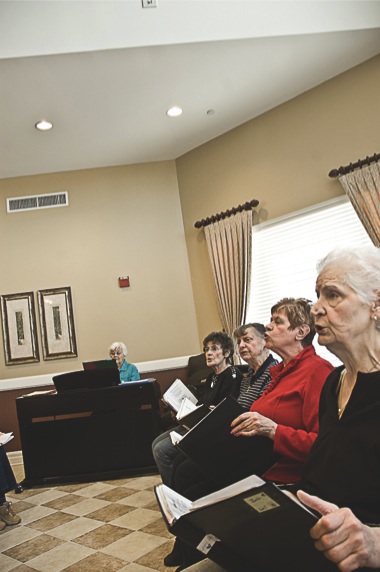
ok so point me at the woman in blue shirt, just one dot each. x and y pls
(127, 371)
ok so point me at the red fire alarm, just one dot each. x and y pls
(124, 281)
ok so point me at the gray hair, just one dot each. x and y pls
(361, 270)
(118, 345)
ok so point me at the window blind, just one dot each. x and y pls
(285, 252)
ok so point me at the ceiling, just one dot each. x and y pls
(105, 72)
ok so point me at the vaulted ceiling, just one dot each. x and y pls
(105, 73)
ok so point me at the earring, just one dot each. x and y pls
(375, 318)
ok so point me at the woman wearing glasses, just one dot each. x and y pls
(224, 380)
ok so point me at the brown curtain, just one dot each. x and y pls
(362, 187)
(229, 247)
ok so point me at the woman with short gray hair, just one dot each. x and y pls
(127, 371)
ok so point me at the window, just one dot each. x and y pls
(285, 252)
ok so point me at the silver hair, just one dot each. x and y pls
(361, 270)
(118, 345)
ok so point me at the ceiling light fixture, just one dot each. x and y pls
(43, 125)
(174, 111)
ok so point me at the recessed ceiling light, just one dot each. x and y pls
(174, 111)
(43, 125)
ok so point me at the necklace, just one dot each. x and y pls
(214, 378)
(344, 393)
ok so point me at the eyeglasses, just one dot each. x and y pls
(212, 349)
(116, 353)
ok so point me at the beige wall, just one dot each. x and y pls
(281, 158)
(120, 221)
(128, 221)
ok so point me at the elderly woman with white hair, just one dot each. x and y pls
(342, 474)
(127, 371)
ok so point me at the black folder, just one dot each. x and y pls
(258, 529)
(191, 419)
(223, 457)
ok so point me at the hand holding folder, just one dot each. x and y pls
(223, 457)
(252, 522)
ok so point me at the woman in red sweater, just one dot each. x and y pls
(287, 412)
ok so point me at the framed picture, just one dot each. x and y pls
(57, 323)
(19, 328)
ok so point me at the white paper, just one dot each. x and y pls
(175, 437)
(186, 407)
(177, 393)
(5, 438)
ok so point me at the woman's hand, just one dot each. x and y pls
(250, 424)
(342, 537)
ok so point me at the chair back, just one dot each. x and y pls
(197, 370)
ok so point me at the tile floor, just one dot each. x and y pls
(115, 526)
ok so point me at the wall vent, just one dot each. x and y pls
(33, 202)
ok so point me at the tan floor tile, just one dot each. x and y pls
(110, 512)
(6, 563)
(85, 507)
(64, 501)
(23, 568)
(153, 505)
(95, 563)
(134, 567)
(32, 548)
(102, 536)
(155, 558)
(115, 494)
(139, 499)
(29, 493)
(72, 488)
(45, 496)
(142, 483)
(133, 546)
(35, 513)
(21, 505)
(60, 557)
(119, 482)
(51, 521)
(14, 535)
(43, 509)
(137, 519)
(95, 489)
(157, 527)
(75, 528)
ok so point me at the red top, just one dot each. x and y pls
(292, 401)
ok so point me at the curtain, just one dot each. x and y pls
(229, 247)
(362, 187)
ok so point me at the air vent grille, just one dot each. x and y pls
(34, 202)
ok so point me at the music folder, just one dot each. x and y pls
(250, 525)
(222, 456)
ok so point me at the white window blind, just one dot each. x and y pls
(285, 252)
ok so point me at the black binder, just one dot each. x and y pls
(191, 419)
(258, 529)
(223, 457)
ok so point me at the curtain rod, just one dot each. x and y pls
(215, 218)
(352, 166)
